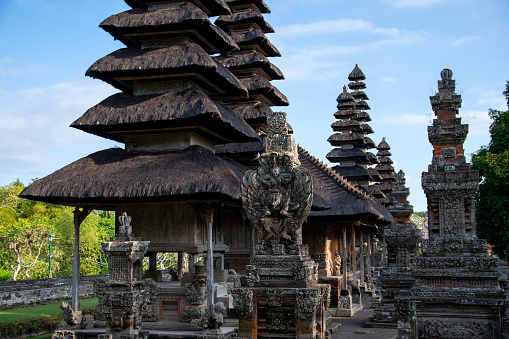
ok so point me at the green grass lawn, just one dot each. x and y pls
(45, 336)
(35, 311)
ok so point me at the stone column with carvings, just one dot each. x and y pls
(282, 297)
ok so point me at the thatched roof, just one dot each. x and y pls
(372, 158)
(258, 4)
(353, 172)
(178, 61)
(362, 116)
(345, 113)
(383, 145)
(247, 17)
(365, 128)
(115, 176)
(182, 110)
(356, 85)
(360, 95)
(338, 139)
(211, 7)
(253, 38)
(342, 125)
(347, 202)
(356, 74)
(250, 62)
(341, 154)
(374, 174)
(345, 97)
(385, 167)
(368, 142)
(385, 160)
(139, 26)
(261, 87)
(253, 114)
(362, 105)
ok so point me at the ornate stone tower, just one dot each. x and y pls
(456, 291)
(282, 298)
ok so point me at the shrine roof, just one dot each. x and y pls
(240, 63)
(261, 87)
(254, 39)
(342, 154)
(345, 113)
(338, 139)
(356, 74)
(244, 18)
(188, 109)
(360, 95)
(211, 7)
(385, 167)
(258, 4)
(374, 174)
(372, 158)
(139, 27)
(341, 125)
(347, 201)
(362, 116)
(356, 85)
(353, 172)
(114, 176)
(256, 113)
(345, 96)
(122, 67)
(383, 145)
(375, 191)
(362, 105)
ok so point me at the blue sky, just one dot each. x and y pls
(401, 45)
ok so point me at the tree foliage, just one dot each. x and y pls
(25, 227)
(492, 199)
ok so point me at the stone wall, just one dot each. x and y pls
(40, 291)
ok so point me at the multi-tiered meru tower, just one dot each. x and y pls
(351, 142)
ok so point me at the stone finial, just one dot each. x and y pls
(125, 225)
(446, 74)
(446, 84)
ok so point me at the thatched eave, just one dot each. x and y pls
(347, 202)
(250, 62)
(211, 7)
(169, 111)
(244, 18)
(240, 4)
(342, 154)
(139, 27)
(353, 172)
(338, 139)
(125, 65)
(115, 176)
(254, 39)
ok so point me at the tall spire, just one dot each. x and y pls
(351, 142)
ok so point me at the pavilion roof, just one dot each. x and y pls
(169, 111)
(342, 154)
(253, 114)
(211, 7)
(347, 201)
(115, 176)
(356, 172)
(338, 139)
(262, 90)
(139, 27)
(125, 65)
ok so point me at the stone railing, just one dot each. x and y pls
(39, 291)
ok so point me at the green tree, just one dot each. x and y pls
(25, 226)
(492, 199)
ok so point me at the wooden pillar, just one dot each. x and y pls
(369, 257)
(354, 254)
(79, 216)
(361, 254)
(210, 258)
(180, 264)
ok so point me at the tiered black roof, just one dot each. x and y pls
(210, 7)
(386, 171)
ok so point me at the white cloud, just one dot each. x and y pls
(9, 68)
(325, 27)
(35, 137)
(464, 40)
(479, 122)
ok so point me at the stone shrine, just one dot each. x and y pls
(456, 292)
(401, 238)
(282, 297)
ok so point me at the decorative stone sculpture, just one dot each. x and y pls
(282, 295)
(456, 292)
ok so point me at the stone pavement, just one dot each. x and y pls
(353, 327)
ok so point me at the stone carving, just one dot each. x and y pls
(307, 302)
(70, 317)
(196, 290)
(191, 313)
(277, 321)
(63, 335)
(243, 301)
(447, 328)
(213, 317)
(277, 195)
